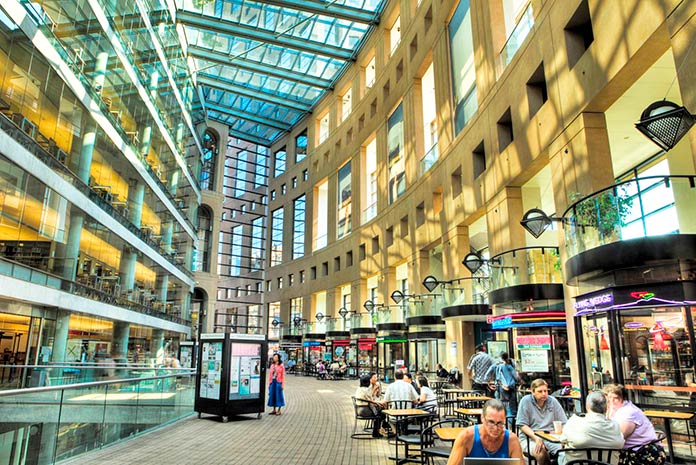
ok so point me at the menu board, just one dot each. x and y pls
(534, 360)
(245, 370)
(211, 370)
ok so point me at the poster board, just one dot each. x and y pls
(211, 370)
(245, 371)
(534, 360)
(495, 348)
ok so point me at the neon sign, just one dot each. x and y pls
(592, 302)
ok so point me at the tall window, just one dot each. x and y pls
(279, 162)
(519, 20)
(260, 170)
(277, 237)
(370, 73)
(370, 184)
(321, 211)
(236, 252)
(298, 228)
(301, 147)
(257, 244)
(430, 153)
(205, 228)
(241, 176)
(463, 67)
(207, 177)
(395, 35)
(395, 145)
(323, 124)
(346, 104)
(274, 315)
(344, 201)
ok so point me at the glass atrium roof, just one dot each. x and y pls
(262, 65)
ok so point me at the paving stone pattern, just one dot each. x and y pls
(314, 429)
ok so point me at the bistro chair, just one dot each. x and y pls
(434, 447)
(416, 440)
(586, 462)
(590, 453)
(363, 412)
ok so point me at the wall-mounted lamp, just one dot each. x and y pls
(319, 316)
(369, 306)
(398, 296)
(276, 322)
(297, 320)
(665, 123)
(343, 312)
(431, 282)
(474, 261)
(535, 222)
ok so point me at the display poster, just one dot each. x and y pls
(533, 341)
(211, 370)
(534, 360)
(495, 348)
(245, 371)
(186, 356)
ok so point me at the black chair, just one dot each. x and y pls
(412, 438)
(434, 447)
(400, 404)
(590, 453)
(526, 452)
(586, 462)
(365, 413)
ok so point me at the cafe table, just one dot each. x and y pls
(472, 400)
(402, 416)
(668, 416)
(548, 436)
(451, 398)
(470, 412)
(449, 433)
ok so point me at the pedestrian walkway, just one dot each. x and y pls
(314, 429)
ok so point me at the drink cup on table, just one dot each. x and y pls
(557, 427)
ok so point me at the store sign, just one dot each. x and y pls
(385, 340)
(634, 326)
(533, 342)
(341, 342)
(602, 300)
(365, 346)
(502, 323)
(311, 344)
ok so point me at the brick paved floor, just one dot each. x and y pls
(314, 429)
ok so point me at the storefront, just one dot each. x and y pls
(363, 352)
(392, 348)
(642, 337)
(426, 345)
(539, 345)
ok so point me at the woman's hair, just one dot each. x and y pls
(538, 382)
(280, 358)
(365, 380)
(504, 357)
(616, 389)
(423, 381)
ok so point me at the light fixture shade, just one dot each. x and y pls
(275, 322)
(535, 222)
(369, 306)
(319, 316)
(297, 320)
(397, 296)
(473, 262)
(343, 312)
(665, 123)
(430, 283)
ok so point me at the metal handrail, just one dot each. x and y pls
(62, 387)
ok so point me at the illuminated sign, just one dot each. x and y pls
(502, 323)
(533, 341)
(634, 325)
(311, 344)
(341, 342)
(595, 301)
(384, 340)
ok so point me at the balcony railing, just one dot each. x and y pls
(362, 320)
(290, 331)
(426, 305)
(338, 324)
(467, 291)
(78, 418)
(527, 265)
(369, 212)
(390, 314)
(428, 160)
(516, 38)
(641, 207)
(315, 327)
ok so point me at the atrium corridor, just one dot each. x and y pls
(315, 429)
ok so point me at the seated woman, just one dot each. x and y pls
(372, 406)
(427, 399)
(636, 428)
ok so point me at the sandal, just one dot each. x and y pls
(272, 413)
(278, 414)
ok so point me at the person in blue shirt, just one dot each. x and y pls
(506, 379)
(490, 439)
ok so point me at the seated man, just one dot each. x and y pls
(537, 412)
(371, 406)
(592, 430)
(400, 389)
(490, 439)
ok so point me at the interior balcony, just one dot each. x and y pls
(637, 231)
(466, 299)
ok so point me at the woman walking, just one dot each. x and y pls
(276, 381)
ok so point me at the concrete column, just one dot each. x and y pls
(126, 269)
(166, 235)
(119, 341)
(146, 140)
(89, 139)
(136, 196)
(174, 176)
(162, 286)
(157, 346)
(71, 249)
(331, 304)
(100, 70)
(60, 339)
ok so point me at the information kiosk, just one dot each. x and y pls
(231, 374)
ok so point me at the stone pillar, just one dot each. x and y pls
(136, 196)
(100, 70)
(119, 341)
(162, 286)
(71, 249)
(166, 235)
(89, 139)
(126, 268)
(60, 339)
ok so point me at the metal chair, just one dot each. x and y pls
(416, 440)
(596, 454)
(586, 462)
(435, 447)
(363, 412)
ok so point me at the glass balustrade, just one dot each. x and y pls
(315, 327)
(427, 305)
(74, 419)
(516, 37)
(290, 331)
(641, 207)
(528, 265)
(466, 291)
(362, 320)
(391, 314)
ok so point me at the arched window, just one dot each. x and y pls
(210, 151)
(205, 229)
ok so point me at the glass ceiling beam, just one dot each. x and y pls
(256, 67)
(248, 116)
(206, 23)
(244, 136)
(227, 86)
(329, 9)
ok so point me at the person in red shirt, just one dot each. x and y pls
(276, 381)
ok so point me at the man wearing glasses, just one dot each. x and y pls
(490, 439)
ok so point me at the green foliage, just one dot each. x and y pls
(605, 211)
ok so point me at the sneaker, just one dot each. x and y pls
(383, 432)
